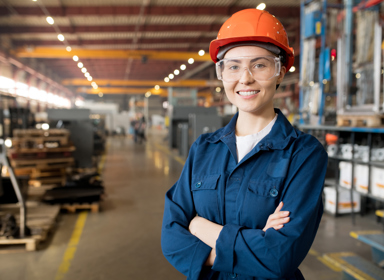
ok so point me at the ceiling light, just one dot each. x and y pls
(100, 94)
(191, 61)
(183, 67)
(358, 76)
(261, 6)
(218, 89)
(95, 86)
(89, 78)
(148, 94)
(68, 49)
(84, 70)
(75, 58)
(50, 20)
(34, 0)
(60, 37)
(80, 65)
(292, 69)
(87, 75)
(177, 72)
(93, 83)
(201, 52)
(157, 87)
(171, 76)
(166, 79)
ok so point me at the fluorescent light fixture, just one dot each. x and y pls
(183, 67)
(75, 58)
(80, 65)
(60, 37)
(68, 49)
(84, 70)
(201, 52)
(166, 79)
(50, 20)
(171, 76)
(191, 60)
(261, 6)
(157, 87)
(177, 72)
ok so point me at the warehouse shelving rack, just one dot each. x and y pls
(368, 133)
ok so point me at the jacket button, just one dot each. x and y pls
(198, 185)
(273, 192)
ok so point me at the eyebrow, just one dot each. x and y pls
(252, 60)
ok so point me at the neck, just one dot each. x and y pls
(251, 123)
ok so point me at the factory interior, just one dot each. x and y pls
(101, 103)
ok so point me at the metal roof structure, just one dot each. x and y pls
(125, 40)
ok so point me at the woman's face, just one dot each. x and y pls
(249, 94)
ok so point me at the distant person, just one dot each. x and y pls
(139, 129)
(248, 202)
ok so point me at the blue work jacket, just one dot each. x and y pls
(286, 165)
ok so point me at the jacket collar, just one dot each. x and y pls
(281, 135)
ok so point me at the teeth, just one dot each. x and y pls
(247, 93)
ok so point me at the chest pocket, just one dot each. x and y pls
(205, 195)
(261, 199)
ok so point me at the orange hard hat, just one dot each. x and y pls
(253, 25)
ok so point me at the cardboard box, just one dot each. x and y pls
(344, 205)
(345, 174)
(377, 181)
(361, 178)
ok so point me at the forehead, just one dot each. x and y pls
(247, 51)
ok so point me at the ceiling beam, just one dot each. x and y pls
(108, 54)
(279, 12)
(143, 83)
(86, 42)
(109, 28)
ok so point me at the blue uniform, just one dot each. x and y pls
(287, 165)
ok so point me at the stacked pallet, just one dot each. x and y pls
(44, 155)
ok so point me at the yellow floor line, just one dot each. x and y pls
(167, 151)
(72, 246)
(329, 264)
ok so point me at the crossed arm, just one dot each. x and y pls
(209, 232)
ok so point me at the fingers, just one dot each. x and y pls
(277, 224)
(278, 208)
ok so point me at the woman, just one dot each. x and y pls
(248, 202)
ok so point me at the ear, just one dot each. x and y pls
(283, 70)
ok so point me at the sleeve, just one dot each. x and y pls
(183, 250)
(278, 254)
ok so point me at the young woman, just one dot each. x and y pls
(248, 202)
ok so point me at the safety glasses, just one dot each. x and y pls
(261, 68)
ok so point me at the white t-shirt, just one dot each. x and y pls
(245, 144)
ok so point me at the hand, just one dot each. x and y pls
(277, 219)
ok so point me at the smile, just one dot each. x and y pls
(248, 93)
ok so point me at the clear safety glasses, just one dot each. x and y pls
(262, 68)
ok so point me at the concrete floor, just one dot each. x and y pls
(123, 240)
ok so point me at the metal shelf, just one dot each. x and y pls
(343, 128)
(328, 183)
(372, 163)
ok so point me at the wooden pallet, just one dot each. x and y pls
(61, 180)
(40, 132)
(360, 120)
(43, 163)
(41, 219)
(71, 208)
(34, 153)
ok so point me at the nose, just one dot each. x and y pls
(246, 77)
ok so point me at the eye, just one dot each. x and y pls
(259, 66)
(234, 67)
